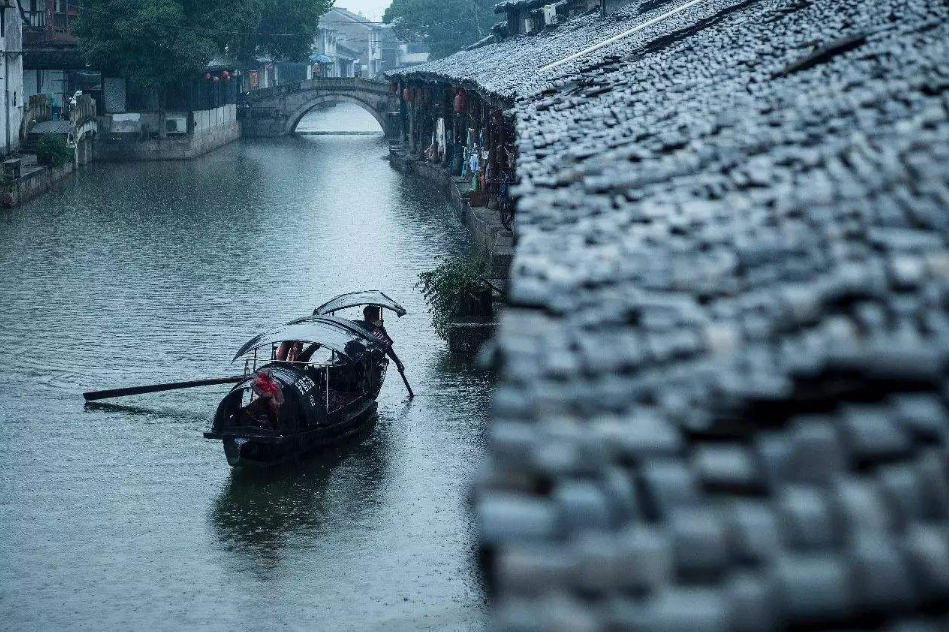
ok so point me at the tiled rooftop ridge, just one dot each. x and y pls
(723, 392)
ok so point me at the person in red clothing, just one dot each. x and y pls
(268, 390)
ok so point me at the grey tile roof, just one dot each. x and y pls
(723, 382)
(511, 68)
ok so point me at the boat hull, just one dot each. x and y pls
(249, 451)
(309, 418)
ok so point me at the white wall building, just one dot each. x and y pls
(11, 46)
(358, 33)
(412, 55)
(331, 58)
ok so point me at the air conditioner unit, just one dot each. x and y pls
(176, 124)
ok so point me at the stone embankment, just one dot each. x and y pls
(23, 178)
(34, 180)
(484, 225)
(490, 238)
(723, 372)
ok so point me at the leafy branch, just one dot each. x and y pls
(452, 289)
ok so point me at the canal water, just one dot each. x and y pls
(122, 516)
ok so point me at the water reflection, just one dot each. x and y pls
(259, 513)
(165, 415)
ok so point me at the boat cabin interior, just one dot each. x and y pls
(313, 388)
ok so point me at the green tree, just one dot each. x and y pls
(446, 26)
(152, 43)
(282, 29)
(158, 43)
(149, 42)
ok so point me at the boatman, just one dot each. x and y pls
(372, 320)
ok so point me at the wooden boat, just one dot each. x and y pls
(324, 400)
(329, 390)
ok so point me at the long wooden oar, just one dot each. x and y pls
(407, 385)
(158, 388)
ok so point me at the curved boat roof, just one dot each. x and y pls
(357, 299)
(338, 334)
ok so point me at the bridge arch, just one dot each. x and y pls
(277, 110)
(297, 115)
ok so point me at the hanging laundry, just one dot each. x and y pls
(474, 162)
(474, 165)
(431, 153)
(440, 137)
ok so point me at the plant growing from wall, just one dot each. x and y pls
(456, 290)
(52, 150)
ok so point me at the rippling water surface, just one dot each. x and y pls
(122, 516)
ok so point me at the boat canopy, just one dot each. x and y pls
(358, 299)
(337, 334)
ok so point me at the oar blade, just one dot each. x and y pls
(93, 396)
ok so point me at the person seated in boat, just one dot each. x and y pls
(269, 392)
(372, 320)
(289, 351)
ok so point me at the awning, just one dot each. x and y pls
(358, 299)
(320, 58)
(337, 334)
(221, 63)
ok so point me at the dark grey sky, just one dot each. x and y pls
(372, 9)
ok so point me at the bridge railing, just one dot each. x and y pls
(83, 111)
(258, 113)
(328, 84)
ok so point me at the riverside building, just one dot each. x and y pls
(721, 403)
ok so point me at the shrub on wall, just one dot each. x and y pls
(52, 150)
(455, 290)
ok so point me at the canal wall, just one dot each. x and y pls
(34, 181)
(721, 401)
(184, 148)
(209, 130)
(484, 226)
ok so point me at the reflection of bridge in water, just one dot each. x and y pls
(277, 111)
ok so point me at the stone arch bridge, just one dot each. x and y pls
(276, 111)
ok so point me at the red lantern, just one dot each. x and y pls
(226, 76)
(207, 76)
(217, 80)
(407, 94)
